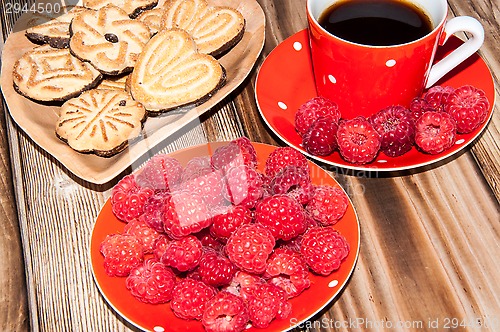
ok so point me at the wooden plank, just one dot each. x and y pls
(487, 148)
(13, 297)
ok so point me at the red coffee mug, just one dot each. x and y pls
(364, 79)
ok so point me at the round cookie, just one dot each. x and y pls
(52, 28)
(131, 7)
(51, 74)
(108, 39)
(100, 121)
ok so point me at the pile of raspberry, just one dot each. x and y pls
(431, 123)
(221, 241)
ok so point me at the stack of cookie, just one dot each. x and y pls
(113, 66)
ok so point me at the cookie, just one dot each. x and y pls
(131, 7)
(183, 14)
(114, 83)
(100, 121)
(171, 73)
(108, 39)
(50, 74)
(215, 29)
(52, 28)
(152, 18)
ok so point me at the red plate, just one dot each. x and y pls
(285, 81)
(160, 317)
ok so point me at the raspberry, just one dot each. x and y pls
(248, 151)
(160, 246)
(294, 244)
(242, 283)
(183, 254)
(227, 156)
(122, 253)
(437, 97)
(266, 302)
(295, 181)
(215, 269)
(266, 184)
(232, 155)
(225, 312)
(193, 275)
(243, 186)
(185, 213)
(145, 234)
(209, 241)
(396, 129)
(161, 172)
(313, 109)
(287, 270)
(310, 221)
(328, 205)
(128, 199)
(196, 167)
(282, 215)
(282, 157)
(226, 221)
(249, 247)
(321, 137)
(209, 186)
(153, 211)
(151, 282)
(358, 141)
(323, 249)
(419, 106)
(190, 298)
(435, 132)
(468, 106)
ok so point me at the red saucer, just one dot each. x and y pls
(285, 81)
(159, 318)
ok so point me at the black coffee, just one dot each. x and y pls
(376, 22)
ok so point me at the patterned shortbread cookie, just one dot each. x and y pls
(100, 121)
(152, 18)
(114, 83)
(108, 39)
(131, 7)
(51, 74)
(171, 73)
(214, 29)
(52, 28)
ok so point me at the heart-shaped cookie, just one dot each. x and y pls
(215, 29)
(170, 73)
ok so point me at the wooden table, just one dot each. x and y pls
(430, 240)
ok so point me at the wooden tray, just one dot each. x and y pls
(38, 121)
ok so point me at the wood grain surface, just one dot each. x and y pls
(430, 238)
(13, 292)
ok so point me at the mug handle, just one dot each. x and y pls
(457, 24)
